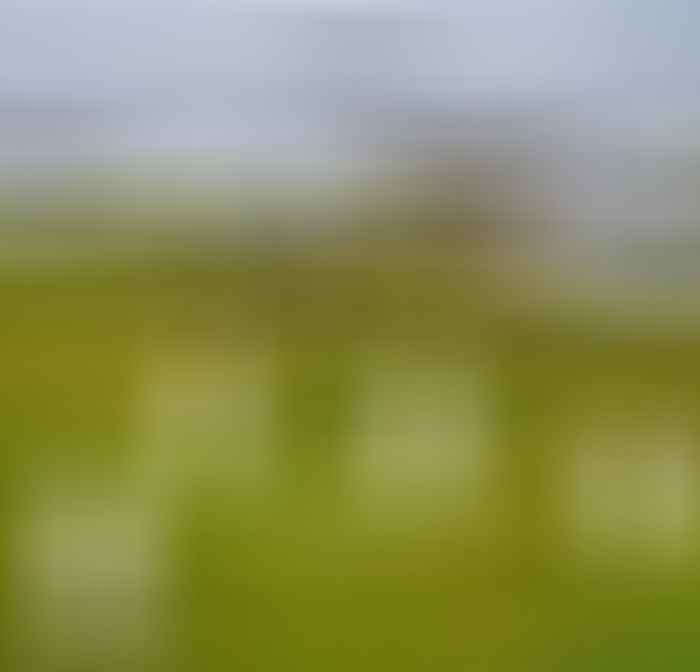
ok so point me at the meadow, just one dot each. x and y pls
(349, 456)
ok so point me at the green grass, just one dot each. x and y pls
(294, 573)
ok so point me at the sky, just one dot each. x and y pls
(262, 79)
(516, 47)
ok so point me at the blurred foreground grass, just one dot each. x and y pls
(218, 457)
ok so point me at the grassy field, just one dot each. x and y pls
(224, 460)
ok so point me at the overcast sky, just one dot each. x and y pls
(231, 76)
(520, 47)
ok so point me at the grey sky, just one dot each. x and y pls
(260, 77)
(506, 46)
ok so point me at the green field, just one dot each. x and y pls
(220, 458)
